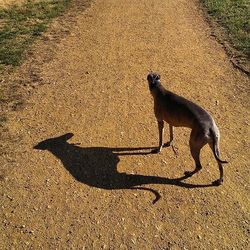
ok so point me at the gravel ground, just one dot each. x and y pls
(92, 185)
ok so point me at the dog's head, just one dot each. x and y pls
(53, 143)
(153, 80)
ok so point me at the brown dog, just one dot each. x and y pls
(180, 112)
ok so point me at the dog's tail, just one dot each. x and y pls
(214, 147)
(157, 195)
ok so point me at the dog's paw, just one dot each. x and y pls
(217, 182)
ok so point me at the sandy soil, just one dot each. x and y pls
(91, 185)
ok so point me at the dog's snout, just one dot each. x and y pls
(152, 77)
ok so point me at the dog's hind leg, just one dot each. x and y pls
(196, 143)
(217, 152)
(214, 145)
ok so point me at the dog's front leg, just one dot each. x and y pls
(171, 134)
(170, 142)
(160, 129)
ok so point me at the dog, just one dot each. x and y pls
(180, 112)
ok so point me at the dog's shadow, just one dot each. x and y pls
(97, 166)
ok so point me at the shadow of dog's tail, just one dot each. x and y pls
(157, 195)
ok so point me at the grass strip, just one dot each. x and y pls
(234, 16)
(20, 25)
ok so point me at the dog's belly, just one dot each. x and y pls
(177, 122)
(174, 117)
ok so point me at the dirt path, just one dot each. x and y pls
(75, 194)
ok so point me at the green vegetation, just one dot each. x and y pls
(234, 16)
(21, 24)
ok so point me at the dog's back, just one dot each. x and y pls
(177, 110)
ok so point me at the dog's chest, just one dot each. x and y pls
(161, 111)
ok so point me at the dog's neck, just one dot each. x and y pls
(157, 89)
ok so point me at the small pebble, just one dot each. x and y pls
(11, 198)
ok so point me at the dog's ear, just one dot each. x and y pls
(53, 142)
(149, 77)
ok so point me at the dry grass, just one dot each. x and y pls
(22, 24)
